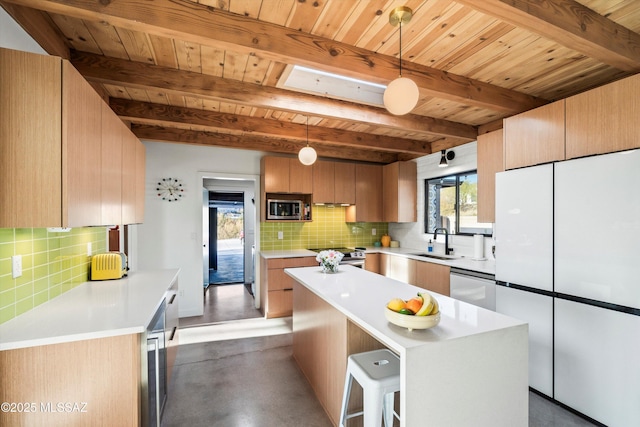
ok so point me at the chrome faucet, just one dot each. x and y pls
(446, 238)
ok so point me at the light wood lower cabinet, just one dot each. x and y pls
(398, 267)
(428, 275)
(323, 338)
(101, 376)
(433, 277)
(372, 263)
(276, 288)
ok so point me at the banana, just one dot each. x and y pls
(427, 304)
(436, 307)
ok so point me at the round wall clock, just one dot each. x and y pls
(170, 189)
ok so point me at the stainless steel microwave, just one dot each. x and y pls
(284, 209)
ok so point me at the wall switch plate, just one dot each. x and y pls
(88, 248)
(16, 266)
(373, 231)
(280, 235)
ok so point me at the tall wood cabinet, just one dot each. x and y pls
(60, 161)
(490, 162)
(605, 119)
(368, 207)
(535, 137)
(399, 192)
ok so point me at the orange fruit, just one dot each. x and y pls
(396, 304)
(414, 304)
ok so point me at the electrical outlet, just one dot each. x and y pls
(89, 249)
(181, 293)
(373, 231)
(16, 266)
(280, 235)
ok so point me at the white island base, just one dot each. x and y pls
(470, 370)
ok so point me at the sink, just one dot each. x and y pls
(443, 257)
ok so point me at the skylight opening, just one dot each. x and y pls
(316, 82)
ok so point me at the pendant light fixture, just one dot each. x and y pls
(402, 94)
(307, 155)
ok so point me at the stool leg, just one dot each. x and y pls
(345, 399)
(373, 403)
(387, 409)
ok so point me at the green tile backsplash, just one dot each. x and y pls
(52, 263)
(328, 229)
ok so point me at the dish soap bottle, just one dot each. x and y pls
(430, 246)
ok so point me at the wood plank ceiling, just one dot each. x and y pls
(207, 72)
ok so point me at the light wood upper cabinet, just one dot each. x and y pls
(490, 162)
(112, 134)
(129, 143)
(141, 161)
(81, 150)
(604, 120)
(334, 182)
(368, 207)
(345, 183)
(535, 137)
(323, 182)
(399, 181)
(58, 165)
(30, 140)
(286, 175)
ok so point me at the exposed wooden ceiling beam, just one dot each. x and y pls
(40, 28)
(254, 142)
(168, 116)
(572, 25)
(186, 83)
(198, 23)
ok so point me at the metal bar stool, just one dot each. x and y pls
(378, 372)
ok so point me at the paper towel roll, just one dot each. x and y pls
(478, 246)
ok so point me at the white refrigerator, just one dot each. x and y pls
(597, 286)
(524, 262)
(568, 260)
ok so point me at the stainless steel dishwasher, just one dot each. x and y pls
(473, 287)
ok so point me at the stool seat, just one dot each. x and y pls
(378, 372)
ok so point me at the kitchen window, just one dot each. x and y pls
(452, 202)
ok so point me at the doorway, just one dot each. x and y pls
(226, 238)
(229, 229)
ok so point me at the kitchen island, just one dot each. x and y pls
(471, 369)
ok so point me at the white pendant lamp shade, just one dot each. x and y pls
(401, 96)
(307, 156)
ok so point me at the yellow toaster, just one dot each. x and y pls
(110, 265)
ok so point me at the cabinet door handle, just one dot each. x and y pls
(288, 289)
(172, 298)
(173, 333)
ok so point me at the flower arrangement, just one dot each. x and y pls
(329, 260)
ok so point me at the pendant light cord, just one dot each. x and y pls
(400, 47)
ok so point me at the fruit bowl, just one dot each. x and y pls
(411, 321)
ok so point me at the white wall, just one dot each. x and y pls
(171, 235)
(412, 235)
(12, 36)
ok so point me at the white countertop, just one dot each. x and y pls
(487, 266)
(91, 310)
(362, 296)
(290, 253)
